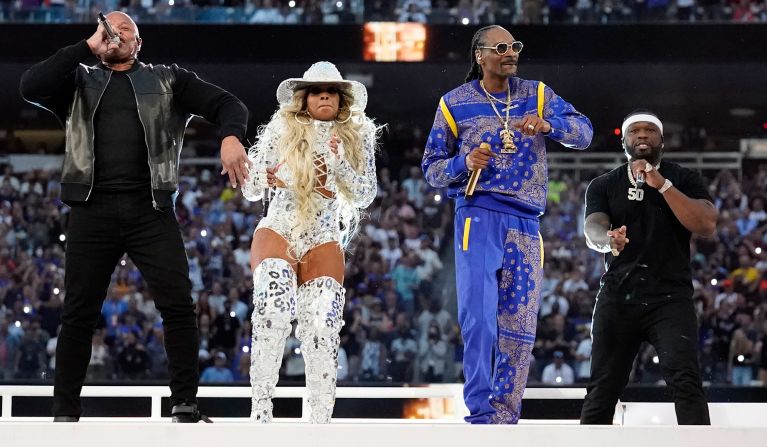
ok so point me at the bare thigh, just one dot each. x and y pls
(323, 260)
(268, 244)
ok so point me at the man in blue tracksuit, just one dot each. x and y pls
(498, 248)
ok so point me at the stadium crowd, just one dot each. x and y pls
(400, 302)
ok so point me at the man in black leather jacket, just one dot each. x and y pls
(125, 124)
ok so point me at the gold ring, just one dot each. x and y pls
(531, 127)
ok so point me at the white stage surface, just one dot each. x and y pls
(367, 434)
(640, 424)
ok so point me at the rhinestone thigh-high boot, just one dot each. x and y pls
(274, 298)
(320, 306)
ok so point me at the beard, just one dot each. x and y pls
(652, 155)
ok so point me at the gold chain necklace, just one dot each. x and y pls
(508, 141)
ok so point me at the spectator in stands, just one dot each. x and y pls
(740, 363)
(403, 353)
(116, 199)
(100, 363)
(133, 359)
(218, 373)
(373, 355)
(558, 372)
(412, 12)
(8, 346)
(433, 354)
(297, 251)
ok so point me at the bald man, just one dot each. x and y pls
(125, 124)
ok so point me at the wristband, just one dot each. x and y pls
(666, 185)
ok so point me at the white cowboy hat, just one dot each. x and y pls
(322, 73)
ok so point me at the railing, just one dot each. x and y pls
(453, 392)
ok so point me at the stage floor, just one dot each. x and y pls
(98, 433)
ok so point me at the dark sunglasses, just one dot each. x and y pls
(503, 47)
(319, 89)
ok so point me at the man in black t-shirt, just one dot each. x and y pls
(641, 215)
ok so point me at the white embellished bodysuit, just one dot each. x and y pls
(325, 226)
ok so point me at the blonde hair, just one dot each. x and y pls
(295, 147)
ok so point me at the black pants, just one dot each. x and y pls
(100, 231)
(618, 329)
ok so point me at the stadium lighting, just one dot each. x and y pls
(617, 132)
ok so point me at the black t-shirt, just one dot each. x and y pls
(122, 157)
(655, 264)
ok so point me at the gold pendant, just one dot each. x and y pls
(508, 142)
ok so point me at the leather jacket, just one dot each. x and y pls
(166, 96)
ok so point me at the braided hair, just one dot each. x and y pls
(475, 72)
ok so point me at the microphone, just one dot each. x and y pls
(113, 37)
(265, 199)
(640, 179)
(474, 179)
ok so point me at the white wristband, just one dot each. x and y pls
(666, 185)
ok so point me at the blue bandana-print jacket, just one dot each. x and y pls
(515, 182)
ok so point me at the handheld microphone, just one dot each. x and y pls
(640, 179)
(474, 179)
(113, 37)
(265, 199)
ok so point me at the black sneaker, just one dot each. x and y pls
(188, 413)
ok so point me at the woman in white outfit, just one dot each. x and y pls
(317, 154)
